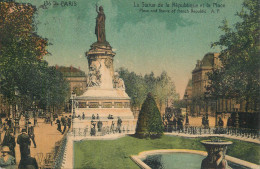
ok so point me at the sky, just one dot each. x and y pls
(143, 40)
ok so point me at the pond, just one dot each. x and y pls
(179, 161)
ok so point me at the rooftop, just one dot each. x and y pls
(71, 71)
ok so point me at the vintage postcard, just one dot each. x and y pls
(114, 84)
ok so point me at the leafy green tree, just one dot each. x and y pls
(137, 87)
(239, 76)
(149, 122)
(21, 64)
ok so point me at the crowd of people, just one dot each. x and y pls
(8, 157)
(65, 122)
(105, 129)
(25, 138)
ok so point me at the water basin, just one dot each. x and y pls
(180, 161)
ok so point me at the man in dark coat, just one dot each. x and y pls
(28, 163)
(65, 124)
(58, 125)
(119, 123)
(24, 141)
(31, 135)
(69, 121)
(63, 121)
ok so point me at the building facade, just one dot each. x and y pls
(77, 78)
(200, 104)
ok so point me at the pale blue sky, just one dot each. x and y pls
(144, 42)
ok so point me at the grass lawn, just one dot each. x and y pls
(111, 154)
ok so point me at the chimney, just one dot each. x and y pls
(198, 63)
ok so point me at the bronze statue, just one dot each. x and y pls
(100, 25)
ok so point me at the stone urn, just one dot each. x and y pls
(216, 154)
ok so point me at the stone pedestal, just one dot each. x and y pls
(216, 154)
(105, 95)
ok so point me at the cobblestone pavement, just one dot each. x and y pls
(45, 137)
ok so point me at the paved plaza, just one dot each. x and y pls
(45, 137)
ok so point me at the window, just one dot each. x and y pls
(93, 105)
(118, 105)
(107, 105)
(82, 104)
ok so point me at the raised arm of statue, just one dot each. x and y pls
(97, 8)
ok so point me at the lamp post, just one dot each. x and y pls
(73, 95)
(16, 117)
(187, 118)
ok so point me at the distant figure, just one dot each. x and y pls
(93, 129)
(58, 125)
(35, 119)
(65, 124)
(119, 123)
(93, 116)
(9, 141)
(97, 116)
(7, 160)
(24, 141)
(69, 121)
(112, 128)
(31, 135)
(63, 120)
(220, 122)
(99, 124)
(51, 118)
(180, 123)
(229, 122)
(83, 116)
(28, 163)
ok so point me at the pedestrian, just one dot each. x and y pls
(69, 121)
(28, 163)
(112, 128)
(24, 141)
(93, 129)
(51, 118)
(58, 125)
(97, 116)
(63, 120)
(229, 122)
(119, 122)
(9, 141)
(220, 122)
(93, 116)
(99, 125)
(65, 124)
(83, 116)
(32, 135)
(7, 160)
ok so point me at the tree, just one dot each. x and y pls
(149, 122)
(239, 76)
(21, 64)
(137, 87)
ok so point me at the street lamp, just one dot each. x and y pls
(16, 117)
(186, 99)
(73, 95)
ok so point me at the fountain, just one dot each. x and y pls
(216, 149)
